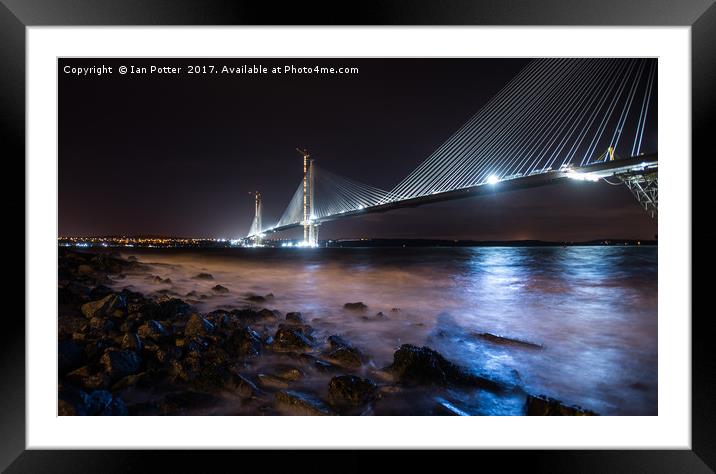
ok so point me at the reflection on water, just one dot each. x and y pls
(594, 309)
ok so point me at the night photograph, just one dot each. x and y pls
(355, 236)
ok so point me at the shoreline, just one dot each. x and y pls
(126, 353)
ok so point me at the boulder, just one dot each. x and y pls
(351, 391)
(69, 356)
(203, 276)
(289, 373)
(88, 379)
(256, 298)
(100, 292)
(120, 363)
(102, 403)
(243, 342)
(71, 401)
(271, 315)
(84, 269)
(101, 325)
(302, 403)
(294, 317)
(152, 330)
(107, 306)
(179, 403)
(168, 309)
(219, 377)
(244, 387)
(542, 405)
(414, 365)
(271, 381)
(509, 341)
(355, 306)
(341, 352)
(291, 338)
(132, 342)
(197, 326)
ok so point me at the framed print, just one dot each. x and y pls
(418, 227)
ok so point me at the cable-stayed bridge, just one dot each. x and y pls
(557, 119)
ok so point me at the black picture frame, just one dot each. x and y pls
(17, 15)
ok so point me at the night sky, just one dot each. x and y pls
(177, 155)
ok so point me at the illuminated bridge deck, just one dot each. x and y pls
(592, 172)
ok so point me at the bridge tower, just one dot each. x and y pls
(310, 229)
(257, 226)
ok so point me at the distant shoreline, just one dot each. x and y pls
(180, 242)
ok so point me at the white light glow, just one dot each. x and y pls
(581, 176)
(493, 179)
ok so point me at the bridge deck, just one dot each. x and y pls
(597, 170)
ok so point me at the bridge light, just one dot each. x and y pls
(581, 176)
(493, 179)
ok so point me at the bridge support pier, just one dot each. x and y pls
(310, 229)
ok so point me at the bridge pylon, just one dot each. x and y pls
(257, 227)
(310, 227)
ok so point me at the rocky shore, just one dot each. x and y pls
(126, 353)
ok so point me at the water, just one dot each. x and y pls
(593, 309)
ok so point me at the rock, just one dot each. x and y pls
(104, 307)
(95, 348)
(132, 342)
(71, 401)
(84, 269)
(256, 298)
(319, 364)
(101, 402)
(214, 376)
(289, 373)
(140, 380)
(351, 391)
(152, 330)
(66, 297)
(270, 381)
(269, 315)
(294, 317)
(101, 325)
(220, 289)
(203, 276)
(291, 338)
(197, 326)
(341, 352)
(169, 309)
(88, 379)
(507, 340)
(245, 388)
(302, 404)
(100, 292)
(118, 364)
(445, 407)
(542, 405)
(179, 403)
(69, 356)
(243, 342)
(355, 306)
(108, 263)
(414, 365)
